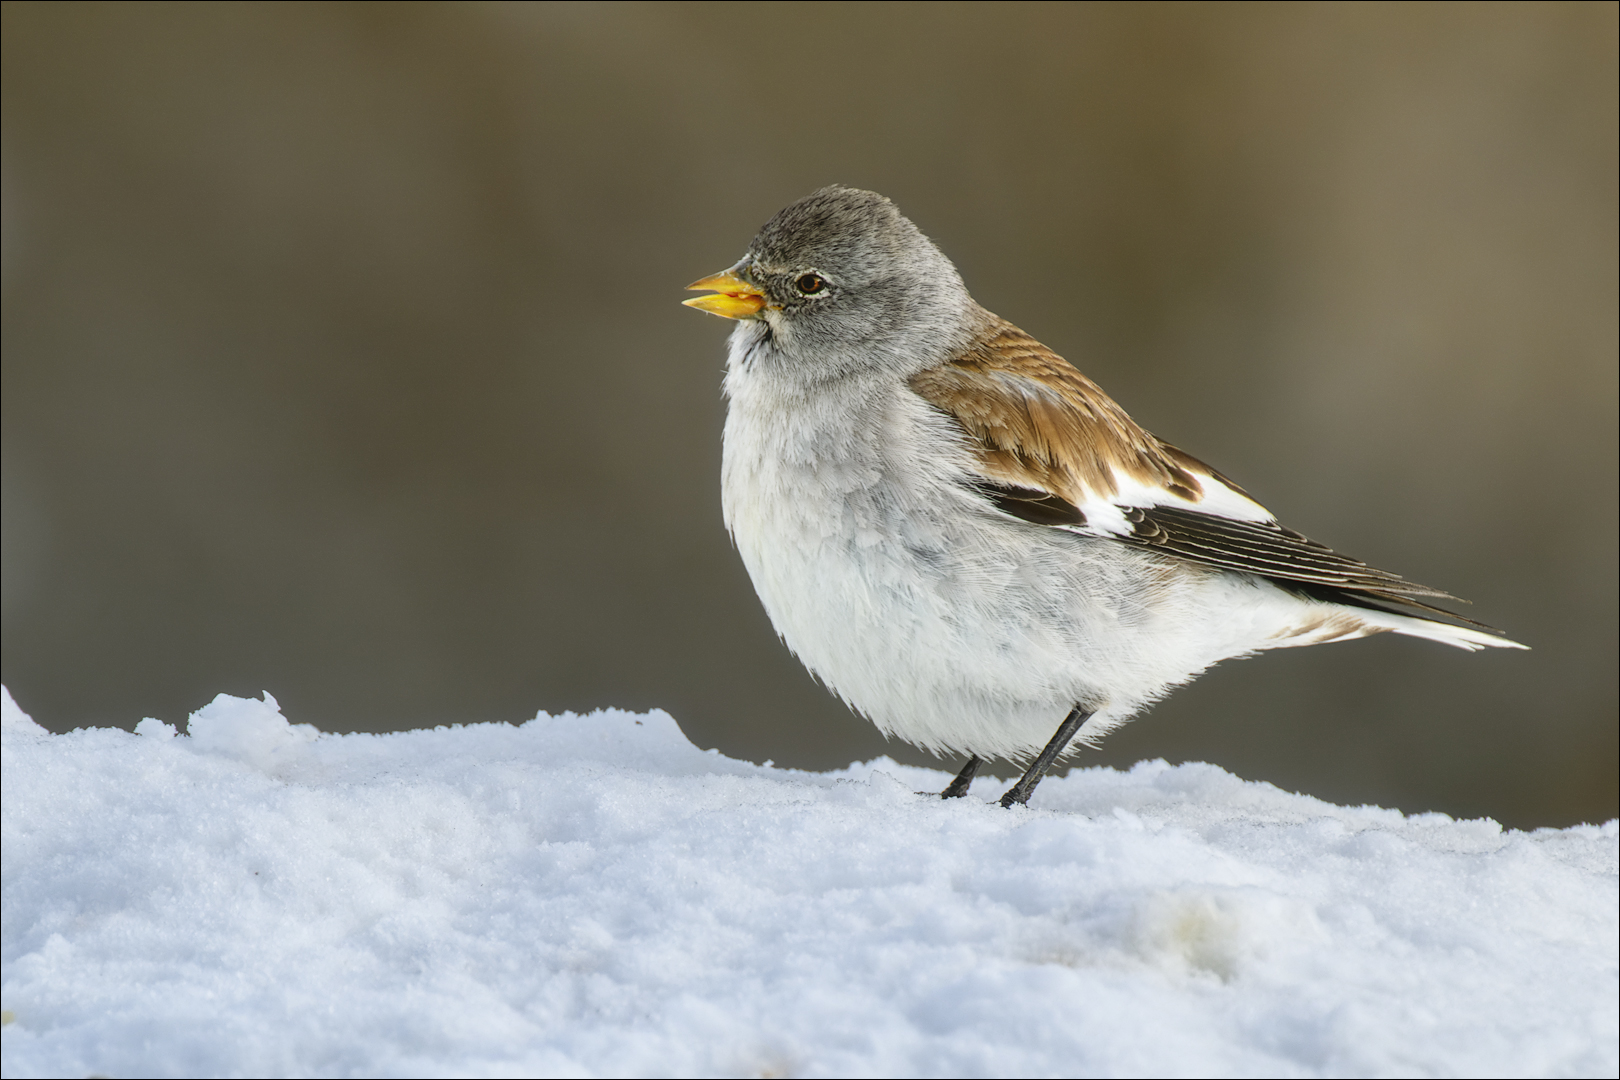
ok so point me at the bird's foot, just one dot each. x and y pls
(1019, 793)
(964, 779)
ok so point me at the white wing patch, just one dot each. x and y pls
(1106, 516)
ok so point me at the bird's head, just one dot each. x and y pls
(841, 281)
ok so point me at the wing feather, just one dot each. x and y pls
(1054, 450)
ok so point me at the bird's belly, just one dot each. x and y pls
(962, 632)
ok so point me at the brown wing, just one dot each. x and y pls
(1040, 420)
(1056, 451)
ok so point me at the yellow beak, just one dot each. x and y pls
(734, 298)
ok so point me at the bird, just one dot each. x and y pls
(966, 539)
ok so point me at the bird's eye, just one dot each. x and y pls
(810, 284)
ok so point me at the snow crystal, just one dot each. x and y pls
(593, 895)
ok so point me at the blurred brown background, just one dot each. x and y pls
(343, 355)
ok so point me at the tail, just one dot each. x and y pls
(1461, 637)
(1358, 614)
(1324, 622)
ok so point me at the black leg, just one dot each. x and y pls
(1020, 792)
(964, 779)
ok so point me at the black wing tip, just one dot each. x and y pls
(1381, 601)
(1288, 559)
(1285, 557)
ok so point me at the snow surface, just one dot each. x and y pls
(594, 896)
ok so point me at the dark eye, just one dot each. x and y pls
(810, 284)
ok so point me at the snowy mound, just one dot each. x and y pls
(593, 895)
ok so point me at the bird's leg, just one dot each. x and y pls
(964, 779)
(1020, 792)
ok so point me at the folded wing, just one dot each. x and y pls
(1054, 450)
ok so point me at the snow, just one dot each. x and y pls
(593, 895)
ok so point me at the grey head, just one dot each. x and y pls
(845, 285)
